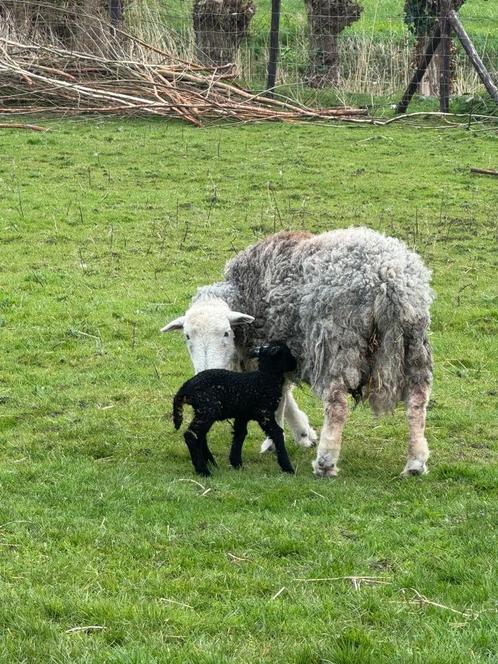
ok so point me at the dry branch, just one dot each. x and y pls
(484, 171)
(355, 580)
(422, 600)
(86, 628)
(127, 76)
(10, 125)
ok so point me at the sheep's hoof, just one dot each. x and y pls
(322, 467)
(289, 469)
(267, 446)
(415, 467)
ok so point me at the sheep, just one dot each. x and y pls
(353, 307)
(217, 394)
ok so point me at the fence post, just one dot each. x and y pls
(469, 47)
(274, 46)
(115, 12)
(445, 71)
(421, 69)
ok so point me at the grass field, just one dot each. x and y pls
(106, 229)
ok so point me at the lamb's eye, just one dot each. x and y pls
(227, 334)
(187, 336)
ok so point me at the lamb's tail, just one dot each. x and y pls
(401, 355)
(178, 403)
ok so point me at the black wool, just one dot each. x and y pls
(218, 394)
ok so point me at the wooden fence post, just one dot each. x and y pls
(484, 75)
(421, 69)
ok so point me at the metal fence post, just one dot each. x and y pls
(115, 12)
(445, 71)
(274, 46)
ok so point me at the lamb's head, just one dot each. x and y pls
(208, 330)
(275, 357)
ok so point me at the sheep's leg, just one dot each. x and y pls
(239, 435)
(270, 426)
(268, 445)
(329, 447)
(303, 433)
(418, 451)
(195, 438)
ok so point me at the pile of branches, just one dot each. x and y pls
(127, 76)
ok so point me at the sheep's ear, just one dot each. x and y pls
(176, 324)
(236, 318)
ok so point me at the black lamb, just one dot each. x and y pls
(218, 394)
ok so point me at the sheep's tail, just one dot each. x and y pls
(401, 355)
(178, 403)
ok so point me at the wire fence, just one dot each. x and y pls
(374, 55)
(323, 56)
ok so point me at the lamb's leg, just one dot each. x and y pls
(267, 445)
(298, 422)
(269, 425)
(329, 447)
(206, 450)
(239, 435)
(418, 451)
(195, 438)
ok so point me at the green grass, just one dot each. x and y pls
(106, 229)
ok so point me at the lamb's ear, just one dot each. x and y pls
(236, 318)
(176, 324)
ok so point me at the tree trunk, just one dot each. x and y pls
(326, 20)
(323, 67)
(421, 16)
(220, 26)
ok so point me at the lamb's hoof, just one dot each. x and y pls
(415, 467)
(204, 472)
(236, 465)
(307, 438)
(289, 469)
(323, 467)
(267, 446)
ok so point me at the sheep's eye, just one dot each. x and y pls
(227, 334)
(187, 336)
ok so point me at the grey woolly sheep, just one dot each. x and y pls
(217, 394)
(353, 307)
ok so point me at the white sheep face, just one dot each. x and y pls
(208, 330)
